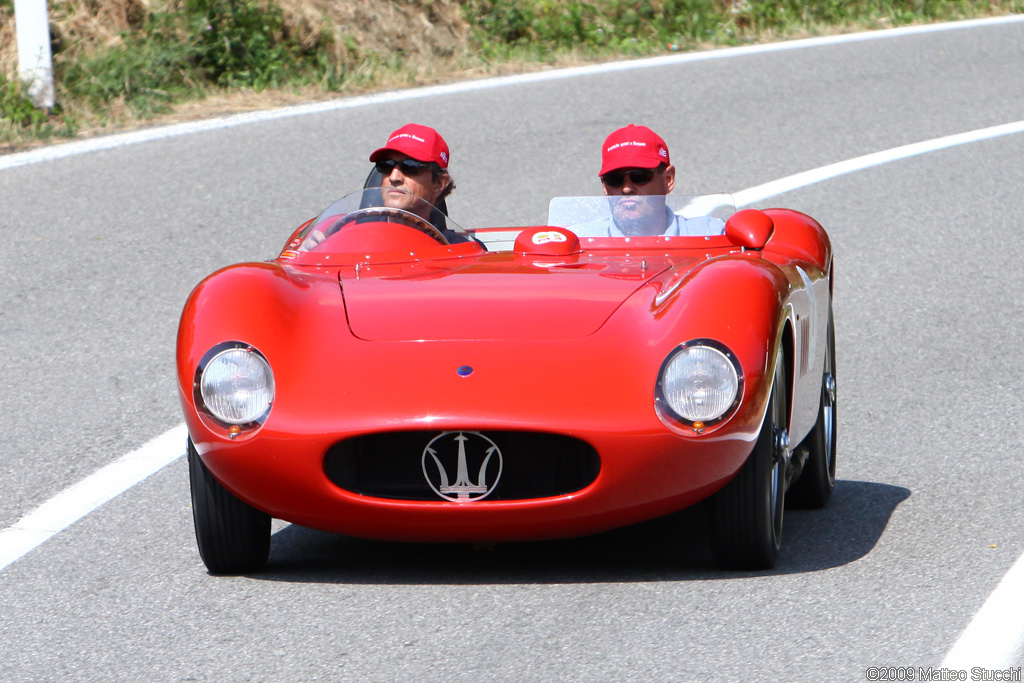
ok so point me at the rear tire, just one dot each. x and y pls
(233, 537)
(747, 513)
(817, 482)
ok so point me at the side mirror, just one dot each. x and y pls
(749, 228)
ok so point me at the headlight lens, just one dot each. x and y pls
(700, 382)
(237, 386)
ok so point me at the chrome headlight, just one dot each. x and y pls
(237, 385)
(700, 382)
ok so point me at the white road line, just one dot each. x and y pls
(996, 632)
(77, 501)
(991, 639)
(69, 149)
(817, 175)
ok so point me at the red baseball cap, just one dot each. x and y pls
(633, 147)
(422, 143)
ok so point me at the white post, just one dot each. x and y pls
(35, 63)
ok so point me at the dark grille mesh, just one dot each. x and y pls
(390, 465)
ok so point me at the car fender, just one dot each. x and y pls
(801, 247)
(798, 237)
(275, 309)
(741, 301)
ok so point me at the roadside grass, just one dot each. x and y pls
(172, 56)
(509, 29)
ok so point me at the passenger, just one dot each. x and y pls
(637, 172)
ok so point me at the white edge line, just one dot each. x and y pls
(77, 501)
(995, 633)
(105, 142)
(817, 175)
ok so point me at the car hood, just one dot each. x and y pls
(492, 300)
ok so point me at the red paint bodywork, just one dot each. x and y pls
(567, 341)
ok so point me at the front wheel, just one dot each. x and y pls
(747, 513)
(233, 537)
(814, 487)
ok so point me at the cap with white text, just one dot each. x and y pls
(422, 143)
(633, 147)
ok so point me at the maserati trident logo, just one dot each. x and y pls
(474, 460)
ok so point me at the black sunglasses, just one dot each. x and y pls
(408, 167)
(640, 176)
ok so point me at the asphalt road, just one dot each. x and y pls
(99, 251)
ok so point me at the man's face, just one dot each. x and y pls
(639, 207)
(421, 183)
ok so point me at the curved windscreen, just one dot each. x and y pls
(642, 215)
(379, 205)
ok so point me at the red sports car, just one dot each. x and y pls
(389, 377)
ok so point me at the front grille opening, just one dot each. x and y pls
(532, 465)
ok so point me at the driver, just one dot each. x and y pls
(415, 159)
(636, 174)
(414, 166)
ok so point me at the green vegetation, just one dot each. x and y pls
(189, 49)
(503, 28)
(17, 107)
(172, 56)
(20, 119)
(510, 28)
(212, 44)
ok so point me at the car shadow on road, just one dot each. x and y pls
(674, 548)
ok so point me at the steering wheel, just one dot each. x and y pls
(406, 217)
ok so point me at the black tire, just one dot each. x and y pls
(817, 482)
(747, 513)
(233, 537)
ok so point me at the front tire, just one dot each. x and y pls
(233, 537)
(747, 513)
(817, 482)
